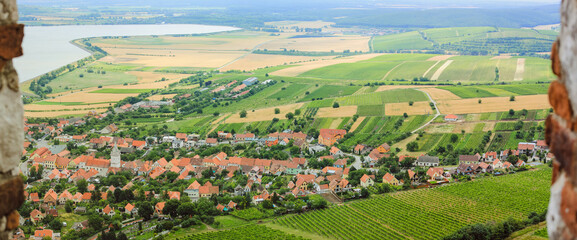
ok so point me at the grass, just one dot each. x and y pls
(229, 221)
(402, 41)
(72, 80)
(329, 91)
(371, 110)
(121, 91)
(290, 92)
(380, 98)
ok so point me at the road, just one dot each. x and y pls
(436, 115)
(358, 164)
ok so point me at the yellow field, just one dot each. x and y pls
(60, 113)
(172, 58)
(343, 111)
(305, 67)
(468, 127)
(418, 108)
(440, 128)
(440, 94)
(265, 114)
(36, 107)
(357, 123)
(255, 61)
(493, 104)
(321, 44)
(335, 124)
(87, 97)
(160, 97)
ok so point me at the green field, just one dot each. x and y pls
(329, 91)
(401, 41)
(430, 213)
(248, 232)
(380, 98)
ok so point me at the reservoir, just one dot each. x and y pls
(47, 48)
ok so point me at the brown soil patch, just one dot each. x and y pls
(440, 58)
(440, 94)
(418, 108)
(264, 114)
(440, 128)
(160, 97)
(343, 111)
(305, 67)
(489, 126)
(256, 61)
(357, 123)
(320, 44)
(494, 104)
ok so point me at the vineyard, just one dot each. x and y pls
(430, 213)
(249, 233)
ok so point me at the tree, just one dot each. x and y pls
(480, 101)
(170, 208)
(512, 98)
(121, 236)
(405, 115)
(411, 103)
(55, 224)
(454, 138)
(185, 209)
(95, 221)
(336, 105)
(69, 206)
(243, 114)
(317, 202)
(412, 146)
(365, 193)
(290, 115)
(145, 210)
(511, 112)
(276, 111)
(297, 112)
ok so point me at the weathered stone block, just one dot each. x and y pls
(11, 195)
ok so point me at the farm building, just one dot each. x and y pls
(451, 118)
(250, 81)
(428, 161)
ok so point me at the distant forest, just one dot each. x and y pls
(375, 14)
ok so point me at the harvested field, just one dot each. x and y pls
(60, 113)
(440, 58)
(441, 69)
(265, 114)
(93, 97)
(305, 67)
(172, 58)
(343, 111)
(38, 107)
(440, 94)
(357, 123)
(493, 104)
(398, 109)
(160, 97)
(440, 128)
(520, 70)
(256, 61)
(391, 87)
(500, 57)
(320, 44)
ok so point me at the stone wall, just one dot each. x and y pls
(561, 128)
(11, 119)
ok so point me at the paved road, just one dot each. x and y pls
(358, 164)
(436, 115)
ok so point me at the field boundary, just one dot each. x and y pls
(520, 70)
(392, 69)
(431, 68)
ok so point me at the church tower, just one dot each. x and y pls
(115, 157)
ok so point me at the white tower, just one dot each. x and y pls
(115, 157)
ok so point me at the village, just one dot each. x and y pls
(91, 179)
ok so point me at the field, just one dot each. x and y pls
(430, 213)
(401, 41)
(493, 104)
(305, 67)
(248, 232)
(264, 114)
(320, 44)
(255, 61)
(440, 94)
(398, 109)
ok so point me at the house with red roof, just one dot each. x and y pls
(451, 118)
(367, 180)
(174, 195)
(36, 216)
(435, 173)
(328, 137)
(43, 233)
(130, 209)
(390, 179)
(158, 209)
(336, 152)
(208, 190)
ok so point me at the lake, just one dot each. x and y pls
(48, 48)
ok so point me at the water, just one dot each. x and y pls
(48, 48)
